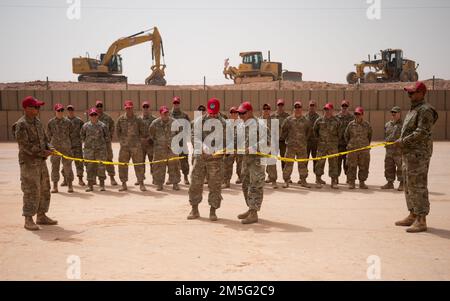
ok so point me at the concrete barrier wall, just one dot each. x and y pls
(376, 103)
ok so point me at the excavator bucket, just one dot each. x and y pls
(292, 76)
(157, 77)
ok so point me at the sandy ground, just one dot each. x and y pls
(302, 235)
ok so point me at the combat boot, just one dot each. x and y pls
(113, 181)
(400, 186)
(194, 212)
(388, 185)
(319, 180)
(419, 225)
(186, 180)
(142, 186)
(124, 187)
(212, 214)
(303, 183)
(274, 185)
(175, 187)
(268, 180)
(226, 184)
(55, 187)
(80, 181)
(43, 219)
(160, 187)
(286, 184)
(64, 182)
(239, 181)
(102, 185)
(29, 224)
(334, 183)
(351, 184)
(90, 186)
(244, 215)
(362, 185)
(70, 187)
(251, 218)
(407, 221)
(136, 183)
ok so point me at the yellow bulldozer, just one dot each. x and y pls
(388, 66)
(254, 68)
(108, 68)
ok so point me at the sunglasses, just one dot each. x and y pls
(60, 110)
(233, 112)
(242, 113)
(280, 104)
(70, 109)
(344, 106)
(266, 109)
(297, 107)
(145, 107)
(99, 106)
(312, 105)
(356, 114)
(202, 109)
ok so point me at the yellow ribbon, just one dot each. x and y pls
(221, 152)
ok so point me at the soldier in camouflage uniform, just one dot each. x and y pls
(393, 158)
(177, 113)
(358, 134)
(281, 115)
(130, 131)
(106, 119)
(229, 159)
(61, 133)
(326, 129)
(296, 131)
(271, 169)
(205, 163)
(33, 152)
(312, 116)
(77, 147)
(161, 134)
(417, 147)
(147, 143)
(96, 137)
(252, 170)
(345, 117)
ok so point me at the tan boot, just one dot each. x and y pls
(362, 185)
(303, 183)
(29, 224)
(267, 180)
(388, 185)
(407, 221)
(244, 215)
(124, 187)
(142, 186)
(286, 184)
(400, 186)
(334, 183)
(55, 187)
(113, 181)
(419, 225)
(194, 212)
(69, 187)
(64, 182)
(90, 186)
(351, 184)
(175, 187)
(80, 181)
(102, 185)
(274, 185)
(239, 181)
(43, 219)
(226, 184)
(136, 183)
(251, 218)
(212, 214)
(160, 188)
(186, 180)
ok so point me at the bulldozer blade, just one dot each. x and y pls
(292, 76)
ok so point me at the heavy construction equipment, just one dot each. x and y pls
(108, 68)
(254, 68)
(388, 66)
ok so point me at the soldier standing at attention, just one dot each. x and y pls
(161, 134)
(60, 132)
(229, 159)
(345, 117)
(109, 122)
(417, 147)
(177, 113)
(271, 169)
(206, 164)
(252, 171)
(358, 134)
(77, 146)
(130, 131)
(147, 143)
(296, 131)
(281, 115)
(312, 116)
(96, 137)
(393, 158)
(326, 129)
(34, 149)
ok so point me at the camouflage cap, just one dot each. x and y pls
(396, 109)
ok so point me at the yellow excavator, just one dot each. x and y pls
(109, 68)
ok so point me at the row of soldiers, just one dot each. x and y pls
(299, 136)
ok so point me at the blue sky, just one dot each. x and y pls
(323, 39)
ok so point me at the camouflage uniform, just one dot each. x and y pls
(96, 138)
(327, 132)
(77, 146)
(60, 132)
(130, 131)
(344, 119)
(109, 122)
(271, 169)
(282, 144)
(393, 158)
(34, 178)
(229, 159)
(252, 173)
(416, 137)
(296, 132)
(311, 147)
(184, 163)
(207, 166)
(147, 143)
(358, 135)
(161, 134)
